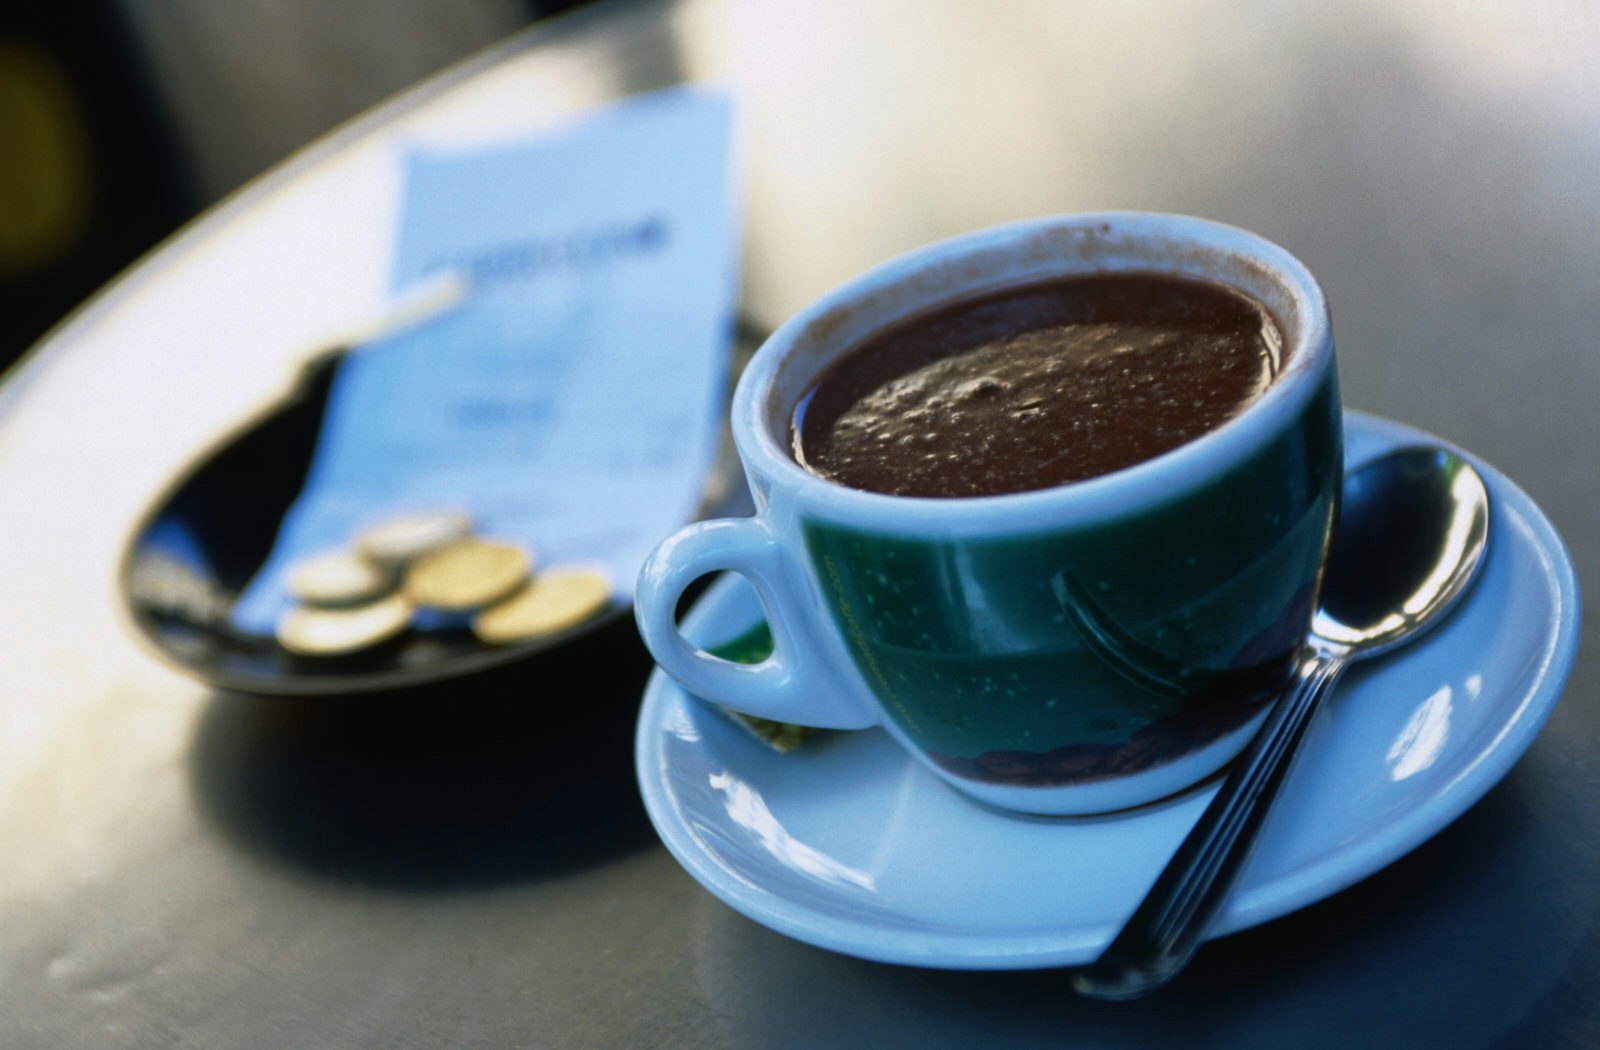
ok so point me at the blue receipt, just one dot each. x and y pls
(572, 401)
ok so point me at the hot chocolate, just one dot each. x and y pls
(1037, 386)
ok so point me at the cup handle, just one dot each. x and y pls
(794, 684)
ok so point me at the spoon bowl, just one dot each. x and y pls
(1412, 531)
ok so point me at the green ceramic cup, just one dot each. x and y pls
(1075, 649)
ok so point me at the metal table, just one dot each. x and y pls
(474, 868)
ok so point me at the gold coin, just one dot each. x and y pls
(312, 631)
(396, 542)
(467, 574)
(553, 601)
(337, 578)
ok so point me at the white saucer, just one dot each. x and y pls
(849, 844)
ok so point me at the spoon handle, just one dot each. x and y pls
(1169, 924)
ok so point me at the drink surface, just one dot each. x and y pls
(1036, 386)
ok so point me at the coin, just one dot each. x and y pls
(467, 574)
(553, 601)
(396, 542)
(338, 577)
(312, 631)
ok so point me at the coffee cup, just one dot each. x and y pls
(1072, 648)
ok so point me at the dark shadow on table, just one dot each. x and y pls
(521, 773)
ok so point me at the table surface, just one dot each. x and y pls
(473, 867)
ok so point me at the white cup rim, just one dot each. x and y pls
(1057, 245)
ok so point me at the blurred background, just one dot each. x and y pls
(122, 119)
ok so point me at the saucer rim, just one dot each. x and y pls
(1352, 862)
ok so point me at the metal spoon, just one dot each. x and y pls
(1411, 536)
